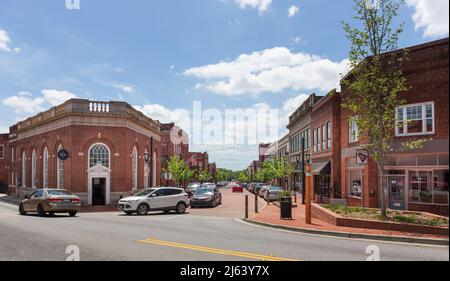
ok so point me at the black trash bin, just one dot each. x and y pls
(286, 208)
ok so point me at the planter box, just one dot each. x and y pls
(328, 216)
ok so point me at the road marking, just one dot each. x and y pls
(338, 237)
(213, 250)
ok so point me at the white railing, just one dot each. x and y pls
(102, 107)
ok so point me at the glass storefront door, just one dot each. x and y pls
(396, 189)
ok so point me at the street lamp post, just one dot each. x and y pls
(308, 190)
(303, 172)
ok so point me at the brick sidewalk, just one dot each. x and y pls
(271, 215)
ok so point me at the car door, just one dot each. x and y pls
(156, 199)
(27, 202)
(172, 197)
(35, 199)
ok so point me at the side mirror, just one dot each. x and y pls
(27, 196)
(153, 195)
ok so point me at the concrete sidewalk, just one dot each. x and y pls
(270, 216)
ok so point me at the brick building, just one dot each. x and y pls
(98, 150)
(174, 141)
(416, 180)
(300, 128)
(198, 161)
(3, 162)
(212, 167)
(326, 147)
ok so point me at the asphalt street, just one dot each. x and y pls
(158, 237)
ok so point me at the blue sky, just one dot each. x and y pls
(163, 55)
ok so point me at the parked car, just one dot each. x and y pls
(251, 186)
(192, 188)
(50, 201)
(237, 188)
(271, 193)
(262, 190)
(256, 188)
(206, 197)
(155, 199)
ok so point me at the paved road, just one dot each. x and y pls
(111, 236)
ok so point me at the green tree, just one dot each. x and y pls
(204, 176)
(178, 169)
(242, 176)
(375, 80)
(278, 168)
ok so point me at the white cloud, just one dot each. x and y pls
(124, 88)
(4, 130)
(293, 10)
(261, 5)
(431, 16)
(55, 97)
(24, 104)
(272, 70)
(165, 115)
(5, 41)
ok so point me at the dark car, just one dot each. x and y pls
(257, 187)
(206, 197)
(192, 188)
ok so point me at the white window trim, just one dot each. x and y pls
(350, 131)
(24, 169)
(33, 168)
(424, 119)
(45, 168)
(89, 154)
(134, 169)
(59, 171)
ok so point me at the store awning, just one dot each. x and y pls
(319, 168)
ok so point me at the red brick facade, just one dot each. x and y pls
(326, 114)
(174, 141)
(76, 126)
(198, 161)
(427, 73)
(3, 160)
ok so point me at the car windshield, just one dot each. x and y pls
(145, 192)
(275, 188)
(58, 192)
(204, 191)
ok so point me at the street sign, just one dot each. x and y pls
(63, 155)
(362, 157)
(167, 176)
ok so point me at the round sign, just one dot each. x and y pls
(63, 154)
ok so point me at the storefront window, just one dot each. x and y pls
(440, 186)
(355, 183)
(429, 187)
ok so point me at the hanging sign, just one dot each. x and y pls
(362, 157)
(63, 155)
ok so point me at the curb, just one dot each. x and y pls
(386, 238)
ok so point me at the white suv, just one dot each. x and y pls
(155, 199)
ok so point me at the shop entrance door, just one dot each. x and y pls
(396, 189)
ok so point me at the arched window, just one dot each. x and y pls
(24, 169)
(33, 169)
(99, 154)
(45, 157)
(134, 164)
(59, 170)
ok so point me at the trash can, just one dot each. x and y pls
(286, 208)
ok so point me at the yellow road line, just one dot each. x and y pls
(213, 250)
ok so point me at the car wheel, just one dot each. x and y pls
(22, 210)
(181, 208)
(72, 214)
(40, 211)
(142, 210)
